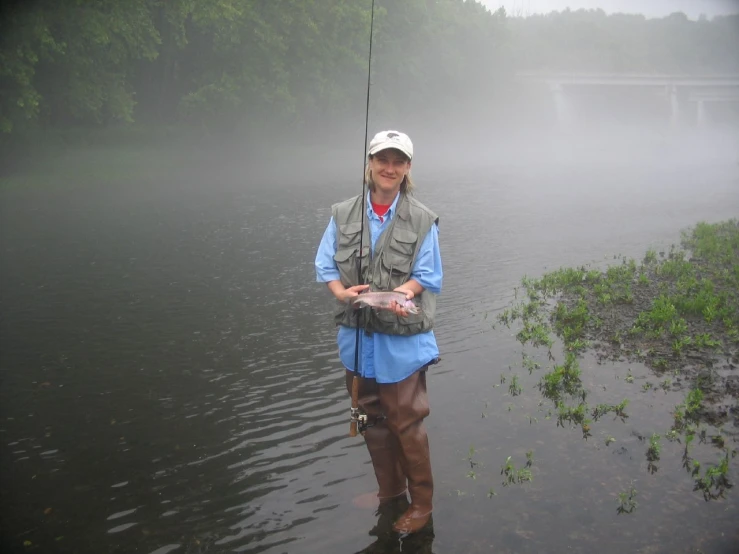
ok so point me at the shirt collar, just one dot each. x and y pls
(389, 215)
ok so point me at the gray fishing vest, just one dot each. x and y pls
(385, 269)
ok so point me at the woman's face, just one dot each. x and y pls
(388, 168)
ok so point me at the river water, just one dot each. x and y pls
(170, 381)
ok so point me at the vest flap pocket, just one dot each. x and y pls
(405, 236)
(349, 235)
(403, 241)
(396, 264)
(344, 254)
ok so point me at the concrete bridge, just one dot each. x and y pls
(695, 89)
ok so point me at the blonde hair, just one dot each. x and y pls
(406, 187)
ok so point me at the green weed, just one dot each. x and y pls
(715, 481)
(650, 257)
(653, 452)
(514, 388)
(513, 475)
(627, 501)
(704, 340)
(530, 364)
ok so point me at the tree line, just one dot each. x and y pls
(222, 64)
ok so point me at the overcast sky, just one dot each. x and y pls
(650, 8)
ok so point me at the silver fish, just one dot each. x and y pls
(381, 300)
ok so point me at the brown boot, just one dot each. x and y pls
(381, 443)
(406, 405)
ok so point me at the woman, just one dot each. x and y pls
(400, 251)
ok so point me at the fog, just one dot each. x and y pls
(599, 129)
(519, 103)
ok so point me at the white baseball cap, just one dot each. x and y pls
(391, 139)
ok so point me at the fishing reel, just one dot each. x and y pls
(360, 419)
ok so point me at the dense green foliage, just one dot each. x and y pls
(219, 64)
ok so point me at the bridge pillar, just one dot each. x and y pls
(674, 106)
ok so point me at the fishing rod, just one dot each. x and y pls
(357, 419)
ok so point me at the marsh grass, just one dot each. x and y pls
(675, 311)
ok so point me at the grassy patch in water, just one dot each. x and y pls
(676, 311)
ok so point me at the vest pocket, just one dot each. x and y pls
(344, 254)
(395, 270)
(403, 242)
(396, 265)
(349, 235)
(346, 262)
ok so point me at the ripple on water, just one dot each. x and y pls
(166, 549)
(119, 515)
(123, 527)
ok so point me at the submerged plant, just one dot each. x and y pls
(653, 453)
(530, 364)
(513, 475)
(514, 388)
(715, 481)
(627, 501)
(654, 448)
(470, 455)
(693, 403)
(619, 409)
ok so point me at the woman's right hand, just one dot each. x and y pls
(349, 294)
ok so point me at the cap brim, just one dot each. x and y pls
(389, 145)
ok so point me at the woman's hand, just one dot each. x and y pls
(349, 294)
(344, 294)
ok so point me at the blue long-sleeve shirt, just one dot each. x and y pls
(385, 358)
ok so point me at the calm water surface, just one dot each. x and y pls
(170, 381)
